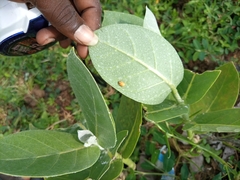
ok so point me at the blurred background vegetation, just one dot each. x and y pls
(35, 92)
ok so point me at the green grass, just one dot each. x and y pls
(199, 30)
(29, 89)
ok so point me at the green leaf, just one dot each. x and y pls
(159, 137)
(129, 118)
(164, 111)
(194, 86)
(196, 44)
(93, 106)
(150, 22)
(111, 17)
(168, 161)
(83, 174)
(195, 56)
(121, 136)
(137, 62)
(205, 44)
(75, 176)
(227, 120)
(106, 159)
(147, 165)
(184, 172)
(104, 164)
(42, 153)
(202, 55)
(114, 170)
(223, 93)
(101, 166)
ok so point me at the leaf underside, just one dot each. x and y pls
(137, 62)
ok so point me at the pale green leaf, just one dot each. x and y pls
(150, 22)
(98, 118)
(129, 118)
(137, 62)
(227, 120)
(113, 17)
(223, 93)
(194, 86)
(167, 110)
(42, 153)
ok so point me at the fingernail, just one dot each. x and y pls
(85, 36)
(49, 40)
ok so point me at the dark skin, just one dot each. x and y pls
(72, 20)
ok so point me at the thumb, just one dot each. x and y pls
(64, 17)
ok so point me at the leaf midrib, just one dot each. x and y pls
(151, 69)
(45, 155)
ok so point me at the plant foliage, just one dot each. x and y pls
(134, 58)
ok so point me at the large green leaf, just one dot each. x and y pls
(137, 62)
(42, 153)
(112, 17)
(223, 93)
(227, 120)
(93, 106)
(105, 163)
(113, 172)
(194, 86)
(129, 118)
(165, 111)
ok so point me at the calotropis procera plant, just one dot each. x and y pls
(134, 58)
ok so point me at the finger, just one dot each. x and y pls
(48, 35)
(65, 43)
(82, 51)
(64, 17)
(90, 11)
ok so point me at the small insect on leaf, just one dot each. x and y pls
(121, 83)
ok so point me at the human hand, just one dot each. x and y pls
(71, 20)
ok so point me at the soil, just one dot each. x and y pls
(63, 99)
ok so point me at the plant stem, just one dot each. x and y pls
(176, 95)
(215, 156)
(185, 116)
(190, 134)
(127, 161)
(149, 173)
